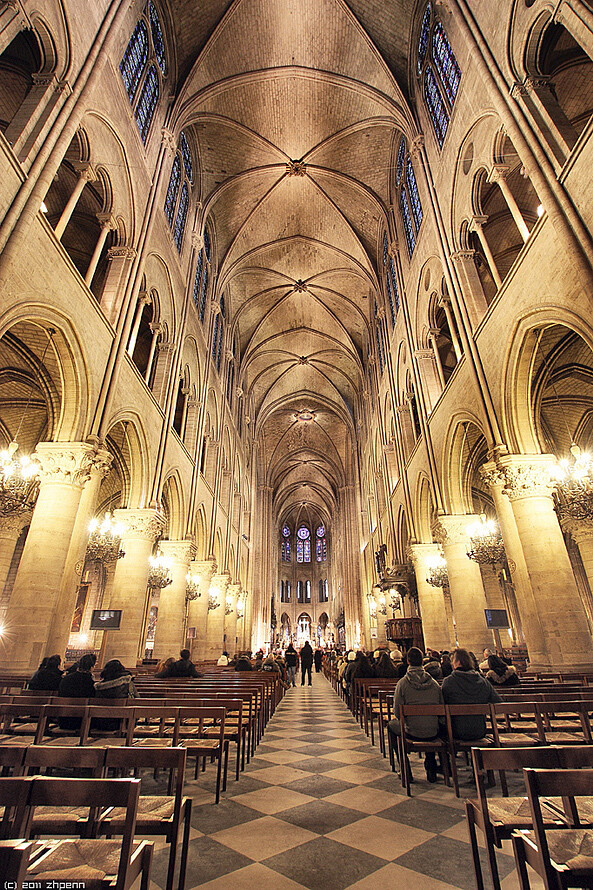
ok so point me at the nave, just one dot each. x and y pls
(319, 808)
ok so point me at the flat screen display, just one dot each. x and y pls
(496, 619)
(106, 619)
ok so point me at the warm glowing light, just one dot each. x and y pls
(540, 210)
(44, 207)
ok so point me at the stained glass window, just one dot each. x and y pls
(220, 333)
(303, 544)
(401, 156)
(215, 337)
(285, 548)
(321, 550)
(134, 59)
(436, 106)
(394, 287)
(198, 279)
(172, 189)
(203, 292)
(390, 299)
(423, 39)
(380, 347)
(187, 158)
(157, 37)
(407, 218)
(207, 244)
(413, 193)
(181, 217)
(230, 384)
(147, 102)
(307, 591)
(323, 591)
(303, 533)
(286, 532)
(445, 62)
(385, 249)
(320, 532)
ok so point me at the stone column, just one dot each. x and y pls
(11, 527)
(230, 621)
(107, 225)
(581, 531)
(499, 174)
(169, 635)
(406, 425)
(143, 526)
(214, 639)
(471, 287)
(445, 302)
(59, 632)
(432, 386)
(529, 486)
(198, 609)
(430, 599)
(144, 299)
(477, 226)
(525, 599)
(119, 265)
(85, 174)
(577, 18)
(65, 468)
(465, 582)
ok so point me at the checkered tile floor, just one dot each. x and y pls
(319, 808)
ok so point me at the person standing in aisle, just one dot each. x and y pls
(318, 659)
(306, 663)
(292, 659)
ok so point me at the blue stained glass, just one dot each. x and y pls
(197, 279)
(223, 306)
(401, 156)
(321, 550)
(407, 218)
(157, 37)
(172, 190)
(147, 102)
(215, 337)
(286, 531)
(203, 293)
(299, 551)
(187, 158)
(423, 39)
(445, 61)
(207, 244)
(394, 287)
(391, 301)
(134, 59)
(220, 339)
(303, 533)
(307, 554)
(320, 532)
(287, 547)
(436, 106)
(414, 196)
(181, 217)
(380, 348)
(385, 249)
(230, 383)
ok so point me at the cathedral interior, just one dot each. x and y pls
(296, 343)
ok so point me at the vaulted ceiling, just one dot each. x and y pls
(296, 111)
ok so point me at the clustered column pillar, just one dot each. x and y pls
(465, 582)
(431, 599)
(11, 527)
(230, 620)
(198, 609)
(529, 486)
(143, 526)
(169, 635)
(215, 634)
(65, 468)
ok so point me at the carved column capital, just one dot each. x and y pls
(492, 475)
(581, 530)
(182, 552)
(145, 524)
(463, 256)
(477, 222)
(452, 528)
(70, 462)
(498, 173)
(13, 523)
(85, 170)
(528, 476)
(124, 253)
(168, 139)
(416, 146)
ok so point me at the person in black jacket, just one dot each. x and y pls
(182, 668)
(318, 658)
(292, 660)
(466, 686)
(306, 663)
(48, 676)
(77, 684)
(243, 663)
(500, 673)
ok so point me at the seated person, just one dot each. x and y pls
(417, 687)
(181, 668)
(500, 673)
(243, 663)
(466, 686)
(77, 684)
(116, 682)
(48, 675)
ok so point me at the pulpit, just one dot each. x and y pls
(406, 632)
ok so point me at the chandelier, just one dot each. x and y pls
(372, 605)
(105, 540)
(19, 481)
(228, 609)
(382, 605)
(438, 576)
(574, 485)
(159, 575)
(240, 608)
(487, 547)
(192, 586)
(213, 602)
